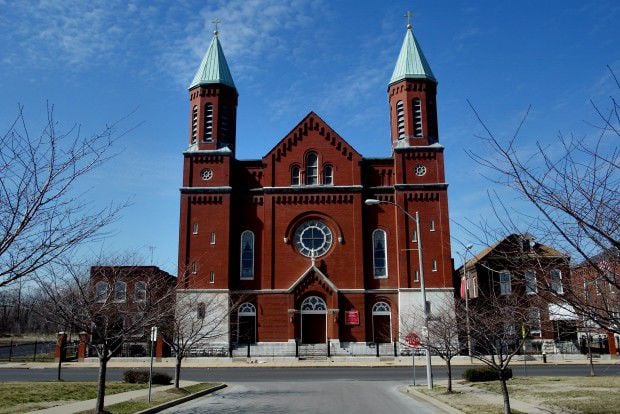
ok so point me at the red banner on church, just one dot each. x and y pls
(352, 317)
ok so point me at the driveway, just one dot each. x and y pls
(307, 397)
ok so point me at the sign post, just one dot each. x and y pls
(153, 340)
(413, 340)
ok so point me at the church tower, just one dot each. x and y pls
(412, 92)
(213, 102)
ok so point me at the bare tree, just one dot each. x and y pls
(444, 328)
(496, 324)
(43, 215)
(98, 304)
(197, 321)
(573, 185)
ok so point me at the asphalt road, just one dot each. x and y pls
(265, 374)
(318, 397)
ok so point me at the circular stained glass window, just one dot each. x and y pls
(206, 174)
(420, 170)
(313, 238)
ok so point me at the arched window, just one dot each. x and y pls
(400, 119)
(381, 308)
(531, 285)
(417, 117)
(120, 291)
(313, 304)
(101, 291)
(208, 135)
(140, 291)
(224, 125)
(379, 253)
(556, 281)
(247, 309)
(312, 169)
(328, 175)
(194, 123)
(505, 283)
(247, 255)
(294, 175)
(201, 310)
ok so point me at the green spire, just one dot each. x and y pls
(411, 63)
(213, 68)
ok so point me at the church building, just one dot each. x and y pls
(289, 238)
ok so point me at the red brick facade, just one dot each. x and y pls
(222, 197)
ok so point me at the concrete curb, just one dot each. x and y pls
(408, 390)
(181, 400)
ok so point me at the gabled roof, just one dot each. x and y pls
(213, 68)
(313, 122)
(314, 270)
(411, 63)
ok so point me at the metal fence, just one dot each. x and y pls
(13, 350)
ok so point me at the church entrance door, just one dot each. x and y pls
(313, 321)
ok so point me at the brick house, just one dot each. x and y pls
(290, 232)
(518, 266)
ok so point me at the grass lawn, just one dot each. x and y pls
(576, 394)
(159, 397)
(20, 397)
(464, 401)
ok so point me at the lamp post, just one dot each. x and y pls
(416, 219)
(466, 274)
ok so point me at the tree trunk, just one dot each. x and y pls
(505, 393)
(177, 372)
(103, 365)
(590, 357)
(449, 375)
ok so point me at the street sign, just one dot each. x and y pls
(154, 333)
(352, 317)
(413, 340)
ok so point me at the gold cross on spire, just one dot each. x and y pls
(215, 21)
(408, 16)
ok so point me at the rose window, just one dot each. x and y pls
(313, 238)
(420, 170)
(206, 174)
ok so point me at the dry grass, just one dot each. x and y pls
(463, 401)
(588, 395)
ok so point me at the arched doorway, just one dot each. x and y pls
(381, 323)
(246, 322)
(313, 320)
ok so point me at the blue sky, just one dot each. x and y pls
(98, 61)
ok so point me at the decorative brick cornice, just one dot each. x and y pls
(205, 190)
(431, 186)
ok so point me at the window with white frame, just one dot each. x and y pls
(531, 284)
(505, 283)
(194, 268)
(212, 277)
(379, 253)
(416, 276)
(400, 119)
(328, 175)
(195, 228)
(247, 255)
(208, 134)
(434, 265)
(533, 321)
(556, 281)
(101, 291)
(194, 123)
(432, 225)
(140, 291)
(294, 175)
(417, 117)
(212, 237)
(381, 308)
(312, 169)
(120, 291)
(414, 236)
(473, 291)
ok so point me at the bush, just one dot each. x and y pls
(485, 374)
(141, 376)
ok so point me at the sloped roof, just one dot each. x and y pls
(314, 270)
(411, 62)
(213, 68)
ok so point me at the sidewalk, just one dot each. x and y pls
(288, 362)
(79, 406)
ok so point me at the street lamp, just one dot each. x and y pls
(466, 274)
(416, 219)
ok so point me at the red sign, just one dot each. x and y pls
(352, 317)
(413, 340)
